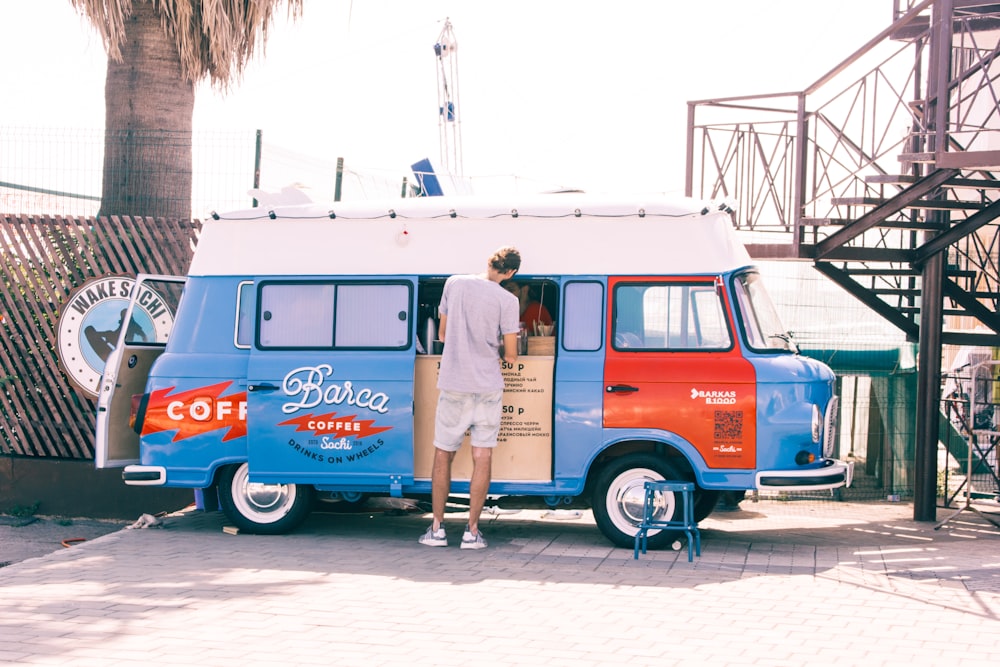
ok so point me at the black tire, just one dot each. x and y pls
(264, 509)
(618, 499)
(705, 501)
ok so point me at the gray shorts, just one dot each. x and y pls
(459, 412)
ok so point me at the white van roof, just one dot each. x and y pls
(557, 234)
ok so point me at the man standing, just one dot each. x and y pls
(475, 312)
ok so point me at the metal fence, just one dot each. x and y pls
(59, 171)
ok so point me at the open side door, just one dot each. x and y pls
(144, 329)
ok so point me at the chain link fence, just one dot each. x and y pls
(59, 171)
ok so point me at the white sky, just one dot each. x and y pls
(557, 92)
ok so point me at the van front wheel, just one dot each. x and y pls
(619, 494)
(265, 509)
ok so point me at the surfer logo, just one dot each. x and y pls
(92, 320)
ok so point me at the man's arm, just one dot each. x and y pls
(441, 326)
(510, 348)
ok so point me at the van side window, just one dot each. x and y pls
(373, 315)
(244, 314)
(326, 315)
(583, 311)
(674, 316)
(295, 315)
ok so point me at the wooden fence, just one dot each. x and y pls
(44, 259)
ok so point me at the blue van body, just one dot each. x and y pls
(302, 361)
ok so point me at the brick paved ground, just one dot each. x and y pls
(777, 584)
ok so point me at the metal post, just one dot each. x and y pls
(932, 284)
(889, 420)
(340, 179)
(928, 391)
(801, 157)
(256, 163)
(689, 155)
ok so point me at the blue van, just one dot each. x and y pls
(301, 361)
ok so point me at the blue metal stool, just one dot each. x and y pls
(687, 523)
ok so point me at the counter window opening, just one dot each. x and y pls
(675, 317)
(539, 304)
(759, 321)
(429, 292)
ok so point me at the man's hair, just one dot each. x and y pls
(506, 259)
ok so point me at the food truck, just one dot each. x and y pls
(298, 359)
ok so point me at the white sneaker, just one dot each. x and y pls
(434, 538)
(470, 541)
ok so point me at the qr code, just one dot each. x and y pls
(728, 424)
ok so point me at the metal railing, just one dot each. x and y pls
(798, 156)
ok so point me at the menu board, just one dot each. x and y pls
(524, 446)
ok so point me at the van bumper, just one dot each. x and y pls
(136, 475)
(833, 474)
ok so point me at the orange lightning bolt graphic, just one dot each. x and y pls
(196, 411)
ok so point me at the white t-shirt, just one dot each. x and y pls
(479, 312)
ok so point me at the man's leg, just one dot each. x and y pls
(482, 469)
(441, 484)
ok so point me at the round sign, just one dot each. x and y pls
(92, 320)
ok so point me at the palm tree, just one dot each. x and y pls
(157, 51)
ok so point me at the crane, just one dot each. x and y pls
(449, 120)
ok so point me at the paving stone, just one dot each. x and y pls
(777, 584)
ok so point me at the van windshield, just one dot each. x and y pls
(761, 324)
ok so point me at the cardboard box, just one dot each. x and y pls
(541, 345)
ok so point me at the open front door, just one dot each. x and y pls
(142, 334)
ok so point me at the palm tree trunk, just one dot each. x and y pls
(148, 110)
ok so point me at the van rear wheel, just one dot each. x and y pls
(265, 509)
(619, 494)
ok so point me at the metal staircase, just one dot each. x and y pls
(885, 173)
